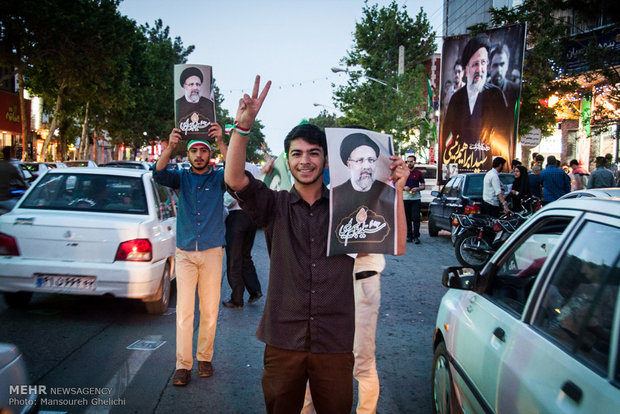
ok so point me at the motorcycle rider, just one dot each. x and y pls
(10, 180)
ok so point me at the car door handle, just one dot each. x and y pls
(169, 228)
(500, 334)
(573, 391)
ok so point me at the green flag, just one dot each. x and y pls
(585, 115)
(430, 93)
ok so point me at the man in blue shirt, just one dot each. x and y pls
(554, 180)
(601, 177)
(199, 253)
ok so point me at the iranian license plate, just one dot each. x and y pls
(66, 282)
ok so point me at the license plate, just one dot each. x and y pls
(66, 282)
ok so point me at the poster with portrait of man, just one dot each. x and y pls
(480, 103)
(362, 198)
(194, 106)
(280, 177)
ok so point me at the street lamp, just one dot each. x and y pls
(336, 70)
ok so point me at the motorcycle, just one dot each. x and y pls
(478, 237)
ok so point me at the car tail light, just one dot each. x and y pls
(497, 227)
(8, 245)
(137, 250)
(472, 209)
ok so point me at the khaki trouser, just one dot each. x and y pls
(367, 303)
(202, 270)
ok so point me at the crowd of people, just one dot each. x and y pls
(547, 184)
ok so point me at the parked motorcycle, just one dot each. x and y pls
(478, 237)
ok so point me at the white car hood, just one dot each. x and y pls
(72, 236)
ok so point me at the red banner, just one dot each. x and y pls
(10, 119)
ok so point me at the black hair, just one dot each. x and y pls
(573, 162)
(497, 161)
(310, 133)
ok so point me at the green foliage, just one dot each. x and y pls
(325, 120)
(399, 106)
(543, 75)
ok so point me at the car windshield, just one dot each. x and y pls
(88, 192)
(76, 163)
(430, 173)
(127, 165)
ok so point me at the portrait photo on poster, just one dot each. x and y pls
(479, 107)
(362, 198)
(194, 106)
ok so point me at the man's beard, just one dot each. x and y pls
(364, 182)
(193, 97)
(476, 86)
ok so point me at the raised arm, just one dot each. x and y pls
(173, 140)
(399, 178)
(215, 132)
(234, 171)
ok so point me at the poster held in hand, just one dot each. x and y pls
(194, 108)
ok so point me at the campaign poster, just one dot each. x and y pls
(362, 198)
(279, 178)
(479, 100)
(194, 107)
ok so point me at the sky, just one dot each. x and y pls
(293, 43)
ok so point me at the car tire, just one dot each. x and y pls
(17, 299)
(160, 305)
(442, 386)
(467, 257)
(433, 230)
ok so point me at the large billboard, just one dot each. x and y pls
(480, 92)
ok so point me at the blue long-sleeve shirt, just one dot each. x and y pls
(200, 218)
(555, 183)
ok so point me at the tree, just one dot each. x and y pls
(545, 60)
(376, 96)
(325, 120)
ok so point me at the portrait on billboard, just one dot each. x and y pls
(481, 78)
(362, 199)
(194, 108)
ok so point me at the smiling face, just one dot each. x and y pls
(476, 69)
(199, 157)
(362, 166)
(192, 89)
(306, 161)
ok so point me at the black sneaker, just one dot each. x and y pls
(231, 305)
(416, 240)
(255, 298)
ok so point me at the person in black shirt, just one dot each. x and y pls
(309, 318)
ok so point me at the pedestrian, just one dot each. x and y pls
(10, 180)
(555, 182)
(535, 182)
(413, 199)
(520, 188)
(199, 252)
(240, 234)
(367, 276)
(308, 321)
(601, 177)
(580, 176)
(492, 192)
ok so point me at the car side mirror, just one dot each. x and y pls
(458, 277)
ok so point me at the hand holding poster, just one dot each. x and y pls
(194, 109)
(362, 200)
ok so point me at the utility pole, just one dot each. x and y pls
(401, 59)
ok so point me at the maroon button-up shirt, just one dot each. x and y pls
(309, 304)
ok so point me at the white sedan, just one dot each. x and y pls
(91, 231)
(538, 329)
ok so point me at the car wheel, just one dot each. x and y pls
(433, 231)
(160, 305)
(17, 299)
(468, 257)
(444, 397)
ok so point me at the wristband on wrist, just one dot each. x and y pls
(243, 132)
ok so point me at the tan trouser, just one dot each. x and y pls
(203, 270)
(367, 303)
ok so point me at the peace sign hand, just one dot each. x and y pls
(250, 105)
